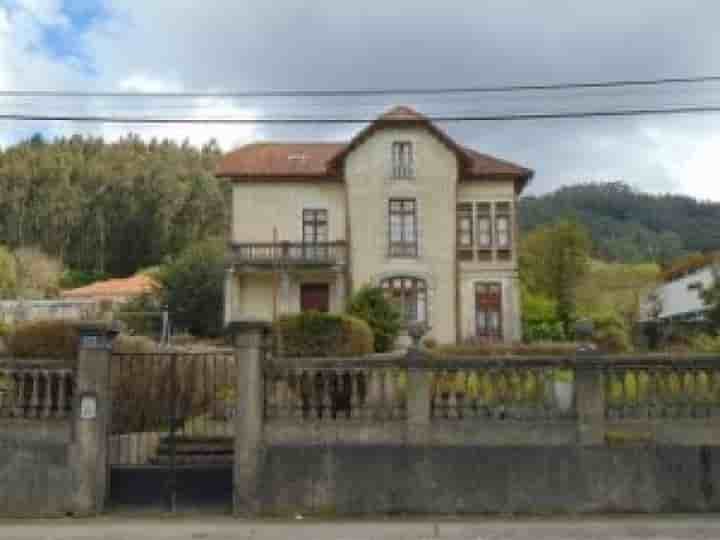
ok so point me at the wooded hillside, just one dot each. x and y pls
(630, 226)
(109, 208)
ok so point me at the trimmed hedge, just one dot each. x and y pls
(46, 338)
(322, 334)
(501, 349)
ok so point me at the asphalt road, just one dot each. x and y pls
(225, 528)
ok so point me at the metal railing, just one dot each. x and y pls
(289, 253)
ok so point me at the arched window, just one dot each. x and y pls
(409, 295)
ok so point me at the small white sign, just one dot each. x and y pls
(88, 408)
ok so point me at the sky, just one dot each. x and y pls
(237, 45)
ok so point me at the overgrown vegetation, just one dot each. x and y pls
(44, 338)
(370, 305)
(312, 333)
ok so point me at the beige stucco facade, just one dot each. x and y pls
(358, 214)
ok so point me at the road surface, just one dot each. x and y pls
(226, 528)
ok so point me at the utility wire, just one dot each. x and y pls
(371, 91)
(101, 119)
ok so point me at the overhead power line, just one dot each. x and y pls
(350, 120)
(369, 91)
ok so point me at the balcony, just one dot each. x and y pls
(288, 254)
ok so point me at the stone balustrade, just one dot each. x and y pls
(499, 400)
(333, 394)
(36, 392)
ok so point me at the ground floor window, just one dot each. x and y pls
(409, 295)
(488, 311)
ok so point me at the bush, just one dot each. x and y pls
(125, 344)
(370, 305)
(322, 334)
(49, 338)
(141, 315)
(501, 349)
(5, 329)
(534, 331)
(705, 343)
(610, 334)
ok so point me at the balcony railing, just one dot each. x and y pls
(289, 253)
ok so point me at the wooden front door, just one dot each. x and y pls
(315, 296)
(488, 311)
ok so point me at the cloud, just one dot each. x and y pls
(228, 45)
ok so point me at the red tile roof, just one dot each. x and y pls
(132, 286)
(321, 160)
(279, 160)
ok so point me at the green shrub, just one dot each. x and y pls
(5, 329)
(370, 305)
(322, 334)
(705, 343)
(49, 338)
(610, 334)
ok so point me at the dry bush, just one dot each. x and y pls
(54, 338)
(142, 389)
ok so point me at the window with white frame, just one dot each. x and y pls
(403, 160)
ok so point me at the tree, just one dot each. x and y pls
(38, 274)
(192, 288)
(8, 273)
(370, 305)
(553, 260)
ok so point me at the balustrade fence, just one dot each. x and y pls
(492, 389)
(36, 391)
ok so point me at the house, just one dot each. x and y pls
(401, 206)
(680, 299)
(113, 291)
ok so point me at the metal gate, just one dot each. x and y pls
(171, 434)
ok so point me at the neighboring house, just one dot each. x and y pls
(401, 206)
(680, 300)
(113, 291)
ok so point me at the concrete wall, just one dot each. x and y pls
(347, 480)
(35, 476)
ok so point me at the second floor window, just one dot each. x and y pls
(403, 228)
(484, 226)
(502, 225)
(403, 162)
(315, 226)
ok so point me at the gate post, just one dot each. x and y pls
(91, 414)
(248, 337)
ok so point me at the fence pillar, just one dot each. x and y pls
(91, 416)
(248, 339)
(590, 403)
(418, 398)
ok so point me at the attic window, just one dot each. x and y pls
(403, 160)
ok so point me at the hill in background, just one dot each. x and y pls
(629, 226)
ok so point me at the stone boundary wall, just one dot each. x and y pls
(416, 434)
